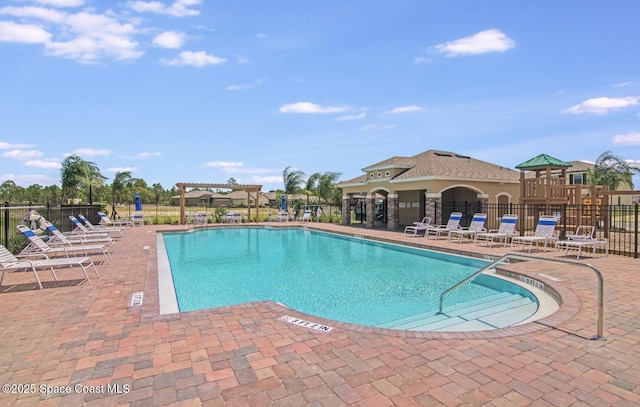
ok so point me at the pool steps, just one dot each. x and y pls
(496, 311)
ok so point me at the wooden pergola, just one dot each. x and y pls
(182, 187)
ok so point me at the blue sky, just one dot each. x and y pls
(204, 90)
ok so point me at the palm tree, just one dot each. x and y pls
(120, 185)
(327, 186)
(311, 186)
(292, 180)
(612, 170)
(77, 174)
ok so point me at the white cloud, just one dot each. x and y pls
(91, 152)
(622, 84)
(84, 36)
(311, 108)
(198, 59)
(22, 155)
(261, 35)
(140, 156)
(236, 167)
(377, 127)
(247, 170)
(224, 164)
(246, 86)
(61, 3)
(7, 146)
(422, 60)
(352, 117)
(602, 105)
(272, 179)
(480, 43)
(169, 39)
(628, 139)
(114, 170)
(179, 8)
(38, 13)
(27, 180)
(405, 109)
(50, 164)
(147, 155)
(25, 33)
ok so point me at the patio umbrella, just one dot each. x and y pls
(138, 203)
(284, 203)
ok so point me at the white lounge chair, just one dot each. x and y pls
(476, 226)
(112, 230)
(77, 239)
(424, 224)
(505, 231)
(544, 233)
(9, 262)
(37, 245)
(80, 229)
(583, 237)
(137, 219)
(106, 221)
(452, 224)
(283, 216)
(234, 218)
(306, 216)
(199, 218)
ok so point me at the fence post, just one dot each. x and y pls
(435, 211)
(563, 234)
(6, 225)
(635, 242)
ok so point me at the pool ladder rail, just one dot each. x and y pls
(503, 259)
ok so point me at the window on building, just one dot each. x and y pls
(577, 179)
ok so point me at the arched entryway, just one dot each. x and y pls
(378, 209)
(463, 199)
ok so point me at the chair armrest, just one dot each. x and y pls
(32, 255)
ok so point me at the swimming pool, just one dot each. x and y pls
(336, 277)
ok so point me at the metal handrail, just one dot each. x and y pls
(600, 289)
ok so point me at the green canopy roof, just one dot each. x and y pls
(542, 160)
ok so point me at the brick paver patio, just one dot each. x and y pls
(86, 345)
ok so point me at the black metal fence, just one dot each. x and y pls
(11, 216)
(619, 224)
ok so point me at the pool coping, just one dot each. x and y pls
(568, 307)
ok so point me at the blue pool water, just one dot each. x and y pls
(331, 276)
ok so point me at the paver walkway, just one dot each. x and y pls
(85, 345)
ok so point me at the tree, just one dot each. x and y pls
(35, 193)
(311, 185)
(52, 194)
(613, 171)
(292, 180)
(327, 186)
(8, 191)
(77, 174)
(121, 184)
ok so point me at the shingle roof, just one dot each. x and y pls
(393, 162)
(580, 166)
(443, 164)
